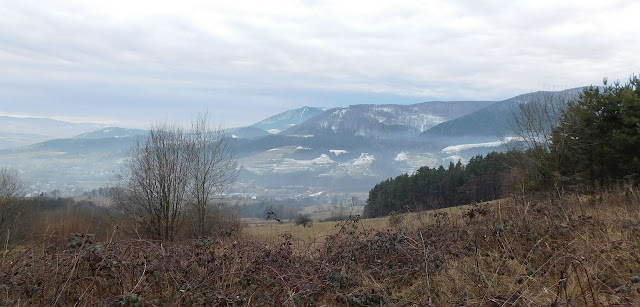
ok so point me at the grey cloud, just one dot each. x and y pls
(229, 56)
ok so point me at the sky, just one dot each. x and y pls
(130, 63)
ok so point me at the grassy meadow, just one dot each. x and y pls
(271, 231)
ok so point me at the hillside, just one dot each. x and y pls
(111, 132)
(569, 251)
(279, 122)
(22, 131)
(45, 126)
(493, 120)
(384, 120)
(247, 132)
(14, 139)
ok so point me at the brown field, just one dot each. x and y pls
(270, 231)
(564, 250)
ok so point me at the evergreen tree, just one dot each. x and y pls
(598, 135)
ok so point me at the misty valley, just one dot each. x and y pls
(306, 152)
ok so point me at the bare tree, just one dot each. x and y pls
(11, 192)
(532, 121)
(155, 182)
(213, 169)
(173, 172)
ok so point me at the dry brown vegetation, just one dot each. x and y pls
(565, 250)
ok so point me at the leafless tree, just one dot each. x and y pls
(173, 172)
(213, 169)
(11, 192)
(155, 182)
(532, 122)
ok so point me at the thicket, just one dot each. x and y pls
(59, 216)
(36, 216)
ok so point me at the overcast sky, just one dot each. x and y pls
(133, 62)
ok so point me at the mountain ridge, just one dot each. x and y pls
(493, 120)
(45, 126)
(287, 119)
(111, 132)
(372, 120)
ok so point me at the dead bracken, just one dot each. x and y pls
(438, 259)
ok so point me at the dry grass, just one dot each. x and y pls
(552, 251)
(318, 232)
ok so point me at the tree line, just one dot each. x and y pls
(24, 219)
(581, 144)
(483, 178)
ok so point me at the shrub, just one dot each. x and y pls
(395, 219)
(304, 220)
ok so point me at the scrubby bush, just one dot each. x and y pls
(395, 219)
(304, 220)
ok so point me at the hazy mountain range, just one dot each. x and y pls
(20, 131)
(494, 119)
(384, 120)
(306, 151)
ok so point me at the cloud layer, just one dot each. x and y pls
(140, 61)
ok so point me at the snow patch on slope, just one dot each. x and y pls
(461, 147)
(338, 152)
(409, 162)
(402, 156)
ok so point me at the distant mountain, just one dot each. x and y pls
(12, 140)
(111, 132)
(287, 119)
(71, 165)
(493, 120)
(47, 127)
(382, 120)
(247, 132)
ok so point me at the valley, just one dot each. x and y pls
(306, 153)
